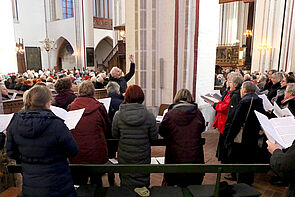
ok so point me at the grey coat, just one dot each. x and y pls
(135, 126)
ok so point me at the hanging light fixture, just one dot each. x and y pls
(248, 33)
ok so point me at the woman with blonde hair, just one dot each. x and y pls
(41, 142)
(181, 128)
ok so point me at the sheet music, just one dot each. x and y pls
(106, 102)
(159, 118)
(276, 129)
(4, 121)
(266, 103)
(157, 160)
(13, 96)
(287, 112)
(209, 98)
(73, 117)
(60, 112)
(277, 110)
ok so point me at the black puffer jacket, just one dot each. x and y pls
(122, 81)
(42, 143)
(135, 126)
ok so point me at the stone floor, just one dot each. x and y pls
(261, 180)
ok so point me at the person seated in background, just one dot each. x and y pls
(261, 81)
(7, 82)
(181, 128)
(65, 94)
(4, 92)
(27, 85)
(281, 91)
(99, 83)
(247, 77)
(90, 133)
(282, 163)
(113, 91)
(269, 83)
(289, 99)
(116, 75)
(135, 126)
(41, 142)
(49, 83)
(276, 78)
(19, 83)
(13, 82)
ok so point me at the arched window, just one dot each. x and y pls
(67, 9)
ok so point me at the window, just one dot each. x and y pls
(14, 10)
(103, 8)
(67, 9)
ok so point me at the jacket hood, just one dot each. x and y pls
(247, 98)
(89, 103)
(184, 111)
(62, 98)
(34, 123)
(133, 113)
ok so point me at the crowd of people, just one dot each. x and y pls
(43, 145)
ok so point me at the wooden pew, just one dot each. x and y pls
(100, 93)
(12, 106)
(202, 190)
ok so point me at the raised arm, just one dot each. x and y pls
(129, 75)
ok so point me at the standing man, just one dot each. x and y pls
(116, 75)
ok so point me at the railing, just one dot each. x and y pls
(119, 48)
(102, 23)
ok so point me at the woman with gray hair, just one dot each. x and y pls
(276, 78)
(289, 99)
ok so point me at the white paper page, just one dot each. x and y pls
(73, 117)
(157, 160)
(277, 110)
(210, 99)
(268, 128)
(60, 112)
(154, 160)
(287, 112)
(165, 111)
(159, 118)
(285, 128)
(266, 103)
(215, 92)
(284, 121)
(13, 96)
(114, 161)
(4, 121)
(106, 102)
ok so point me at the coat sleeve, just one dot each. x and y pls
(284, 163)
(129, 75)
(115, 128)
(2, 140)
(153, 130)
(66, 142)
(222, 106)
(11, 146)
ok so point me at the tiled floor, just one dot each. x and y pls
(261, 180)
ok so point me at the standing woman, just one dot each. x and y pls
(90, 133)
(41, 142)
(181, 128)
(135, 126)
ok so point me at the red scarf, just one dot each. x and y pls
(287, 99)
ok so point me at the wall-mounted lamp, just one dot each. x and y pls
(122, 34)
(248, 33)
(20, 47)
(76, 54)
(264, 47)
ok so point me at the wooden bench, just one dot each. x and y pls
(100, 93)
(190, 191)
(12, 106)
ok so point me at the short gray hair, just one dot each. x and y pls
(113, 70)
(278, 75)
(291, 88)
(237, 81)
(113, 88)
(249, 86)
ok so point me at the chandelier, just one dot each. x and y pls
(47, 44)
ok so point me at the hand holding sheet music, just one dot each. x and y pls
(281, 112)
(266, 103)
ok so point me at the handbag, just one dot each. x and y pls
(239, 136)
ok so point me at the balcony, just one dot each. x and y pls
(102, 23)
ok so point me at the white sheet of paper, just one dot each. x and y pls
(114, 161)
(60, 112)
(73, 117)
(287, 112)
(159, 118)
(210, 98)
(157, 160)
(277, 110)
(13, 96)
(266, 103)
(106, 102)
(274, 130)
(4, 121)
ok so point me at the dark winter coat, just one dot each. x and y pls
(181, 128)
(122, 81)
(290, 104)
(63, 99)
(116, 101)
(273, 91)
(248, 151)
(268, 84)
(284, 165)
(235, 98)
(135, 126)
(2, 140)
(89, 132)
(42, 143)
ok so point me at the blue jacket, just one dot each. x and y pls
(42, 143)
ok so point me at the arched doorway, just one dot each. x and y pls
(65, 59)
(102, 50)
